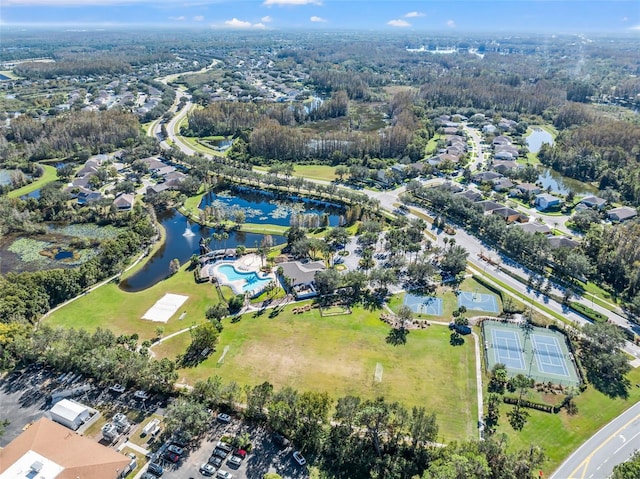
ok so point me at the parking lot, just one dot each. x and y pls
(264, 457)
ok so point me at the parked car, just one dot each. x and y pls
(171, 456)
(207, 469)
(234, 461)
(224, 446)
(141, 395)
(297, 455)
(117, 388)
(225, 418)
(155, 469)
(221, 453)
(224, 475)
(175, 449)
(215, 461)
(146, 475)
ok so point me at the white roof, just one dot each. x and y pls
(69, 410)
(30, 463)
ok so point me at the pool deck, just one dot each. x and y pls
(250, 263)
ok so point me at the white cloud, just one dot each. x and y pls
(52, 3)
(198, 18)
(414, 14)
(269, 3)
(318, 19)
(398, 23)
(636, 28)
(235, 23)
(177, 19)
(266, 19)
(451, 24)
(241, 24)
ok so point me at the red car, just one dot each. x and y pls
(171, 456)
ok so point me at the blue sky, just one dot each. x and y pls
(548, 16)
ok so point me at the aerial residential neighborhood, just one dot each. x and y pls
(301, 239)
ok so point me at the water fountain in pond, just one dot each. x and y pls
(187, 232)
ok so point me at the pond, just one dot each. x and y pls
(550, 178)
(536, 138)
(562, 184)
(5, 177)
(181, 242)
(271, 208)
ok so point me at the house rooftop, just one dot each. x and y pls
(301, 273)
(50, 451)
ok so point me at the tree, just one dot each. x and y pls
(203, 337)
(601, 356)
(186, 417)
(174, 266)
(216, 312)
(517, 417)
(272, 475)
(454, 260)
(327, 281)
(629, 469)
(258, 399)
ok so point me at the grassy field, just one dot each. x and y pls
(560, 433)
(315, 172)
(110, 307)
(338, 354)
(50, 174)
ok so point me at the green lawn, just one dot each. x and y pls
(110, 307)
(338, 354)
(560, 434)
(50, 174)
(316, 172)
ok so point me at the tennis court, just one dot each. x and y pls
(423, 304)
(478, 301)
(539, 353)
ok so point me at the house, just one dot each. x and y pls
(623, 213)
(510, 215)
(485, 176)
(528, 189)
(502, 184)
(488, 129)
(533, 228)
(47, 450)
(502, 166)
(556, 242)
(163, 171)
(503, 155)
(488, 206)
(471, 195)
(501, 140)
(70, 413)
(86, 196)
(545, 201)
(593, 202)
(124, 201)
(159, 188)
(301, 277)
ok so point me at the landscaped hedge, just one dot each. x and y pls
(588, 312)
(532, 405)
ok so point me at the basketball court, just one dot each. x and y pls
(478, 301)
(423, 304)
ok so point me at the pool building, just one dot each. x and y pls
(242, 274)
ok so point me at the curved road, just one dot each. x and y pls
(611, 445)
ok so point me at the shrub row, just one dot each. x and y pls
(588, 312)
(532, 405)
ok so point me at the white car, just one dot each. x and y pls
(140, 395)
(234, 461)
(297, 455)
(117, 388)
(224, 475)
(175, 449)
(207, 469)
(225, 418)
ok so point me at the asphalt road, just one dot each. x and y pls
(610, 446)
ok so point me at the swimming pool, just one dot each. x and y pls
(252, 282)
